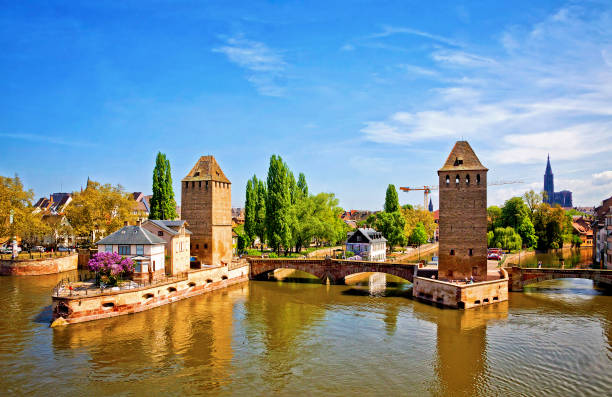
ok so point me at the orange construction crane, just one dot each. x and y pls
(426, 192)
(427, 189)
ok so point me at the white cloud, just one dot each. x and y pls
(347, 47)
(266, 66)
(602, 178)
(545, 88)
(393, 30)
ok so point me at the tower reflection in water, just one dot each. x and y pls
(461, 346)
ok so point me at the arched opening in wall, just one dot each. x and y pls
(545, 285)
(208, 281)
(377, 284)
(288, 275)
(461, 305)
(108, 305)
(447, 180)
(478, 179)
(457, 179)
(171, 289)
(452, 252)
(191, 284)
(467, 179)
(148, 297)
(224, 277)
(470, 252)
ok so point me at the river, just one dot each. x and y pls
(283, 338)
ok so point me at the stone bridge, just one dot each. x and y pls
(333, 270)
(520, 277)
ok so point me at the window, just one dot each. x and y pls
(137, 267)
(197, 246)
(124, 250)
(200, 184)
(206, 184)
(160, 233)
(205, 246)
(452, 252)
(478, 179)
(108, 248)
(192, 184)
(470, 252)
(140, 250)
(467, 179)
(457, 180)
(186, 185)
(447, 180)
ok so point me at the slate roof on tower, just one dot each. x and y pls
(462, 158)
(206, 169)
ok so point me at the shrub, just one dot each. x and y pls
(110, 267)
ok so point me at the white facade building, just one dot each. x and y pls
(368, 244)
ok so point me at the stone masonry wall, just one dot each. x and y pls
(39, 267)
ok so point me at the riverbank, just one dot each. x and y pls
(37, 267)
(572, 256)
(414, 253)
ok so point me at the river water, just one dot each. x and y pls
(283, 338)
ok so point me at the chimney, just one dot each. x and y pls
(125, 223)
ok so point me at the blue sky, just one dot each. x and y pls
(355, 94)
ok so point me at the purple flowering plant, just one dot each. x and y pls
(110, 267)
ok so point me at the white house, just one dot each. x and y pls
(367, 243)
(145, 249)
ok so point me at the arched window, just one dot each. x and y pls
(447, 180)
(452, 252)
(467, 179)
(478, 179)
(457, 180)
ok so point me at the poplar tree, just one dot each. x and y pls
(250, 208)
(278, 204)
(391, 199)
(301, 184)
(162, 203)
(260, 211)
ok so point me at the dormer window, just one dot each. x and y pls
(458, 161)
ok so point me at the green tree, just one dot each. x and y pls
(163, 205)
(414, 216)
(506, 238)
(260, 211)
(250, 208)
(99, 210)
(302, 185)
(418, 236)
(551, 226)
(516, 214)
(278, 205)
(493, 217)
(391, 199)
(532, 200)
(13, 198)
(391, 225)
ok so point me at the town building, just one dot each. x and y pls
(142, 246)
(582, 228)
(140, 208)
(602, 235)
(55, 204)
(463, 280)
(177, 239)
(368, 244)
(563, 198)
(430, 207)
(357, 215)
(206, 206)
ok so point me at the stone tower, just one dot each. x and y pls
(463, 216)
(549, 183)
(206, 197)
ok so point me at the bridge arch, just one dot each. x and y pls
(521, 277)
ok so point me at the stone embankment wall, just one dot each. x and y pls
(36, 267)
(116, 303)
(462, 296)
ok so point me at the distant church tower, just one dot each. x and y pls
(549, 183)
(463, 216)
(206, 197)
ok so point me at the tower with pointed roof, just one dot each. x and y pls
(206, 198)
(463, 216)
(549, 183)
